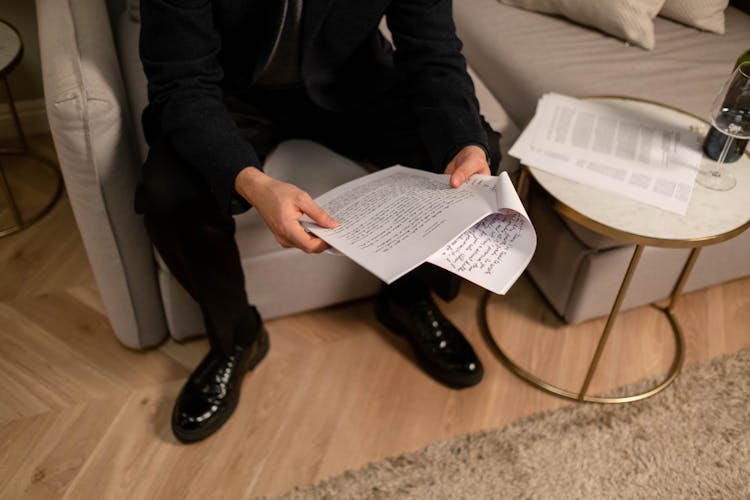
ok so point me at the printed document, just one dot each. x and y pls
(617, 150)
(395, 219)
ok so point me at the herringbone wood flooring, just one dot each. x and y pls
(84, 418)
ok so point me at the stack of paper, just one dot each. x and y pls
(612, 148)
(393, 220)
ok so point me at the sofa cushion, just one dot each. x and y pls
(520, 55)
(707, 15)
(631, 20)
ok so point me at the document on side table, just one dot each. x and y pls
(613, 149)
(395, 219)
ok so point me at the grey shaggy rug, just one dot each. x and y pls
(690, 441)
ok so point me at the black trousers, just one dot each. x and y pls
(196, 240)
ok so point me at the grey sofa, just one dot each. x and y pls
(521, 54)
(94, 93)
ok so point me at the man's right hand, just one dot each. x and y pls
(281, 205)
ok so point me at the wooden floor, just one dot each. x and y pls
(84, 418)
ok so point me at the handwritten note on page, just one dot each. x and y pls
(494, 252)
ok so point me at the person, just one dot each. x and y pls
(227, 81)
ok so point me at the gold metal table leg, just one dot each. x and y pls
(23, 146)
(611, 320)
(582, 395)
(8, 194)
(523, 184)
(22, 150)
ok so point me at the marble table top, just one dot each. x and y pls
(10, 45)
(712, 216)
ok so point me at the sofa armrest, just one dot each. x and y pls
(87, 111)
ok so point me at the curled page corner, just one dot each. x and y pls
(494, 252)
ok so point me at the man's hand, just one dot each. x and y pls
(467, 162)
(281, 205)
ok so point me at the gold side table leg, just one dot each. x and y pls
(683, 278)
(523, 185)
(611, 320)
(8, 194)
(23, 146)
(21, 222)
(581, 396)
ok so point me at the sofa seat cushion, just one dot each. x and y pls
(520, 55)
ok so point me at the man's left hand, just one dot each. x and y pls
(467, 162)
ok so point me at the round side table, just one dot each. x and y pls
(11, 51)
(712, 217)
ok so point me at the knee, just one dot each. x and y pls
(155, 201)
(168, 188)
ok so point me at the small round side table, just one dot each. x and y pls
(712, 217)
(11, 51)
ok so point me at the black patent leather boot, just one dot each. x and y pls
(212, 391)
(439, 347)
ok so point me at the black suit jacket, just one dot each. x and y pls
(197, 52)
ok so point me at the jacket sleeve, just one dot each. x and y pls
(428, 54)
(179, 50)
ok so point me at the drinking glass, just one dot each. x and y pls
(730, 129)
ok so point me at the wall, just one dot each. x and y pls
(26, 79)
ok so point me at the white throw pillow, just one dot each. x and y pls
(631, 20)
(707, 15)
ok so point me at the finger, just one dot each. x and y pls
(451, 167)
(305, 241)
(466, 169)
(316, 212)
(458, 178)
(460, 174)
(317, 246)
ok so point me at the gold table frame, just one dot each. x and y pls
(640, 243)
(19, 221)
